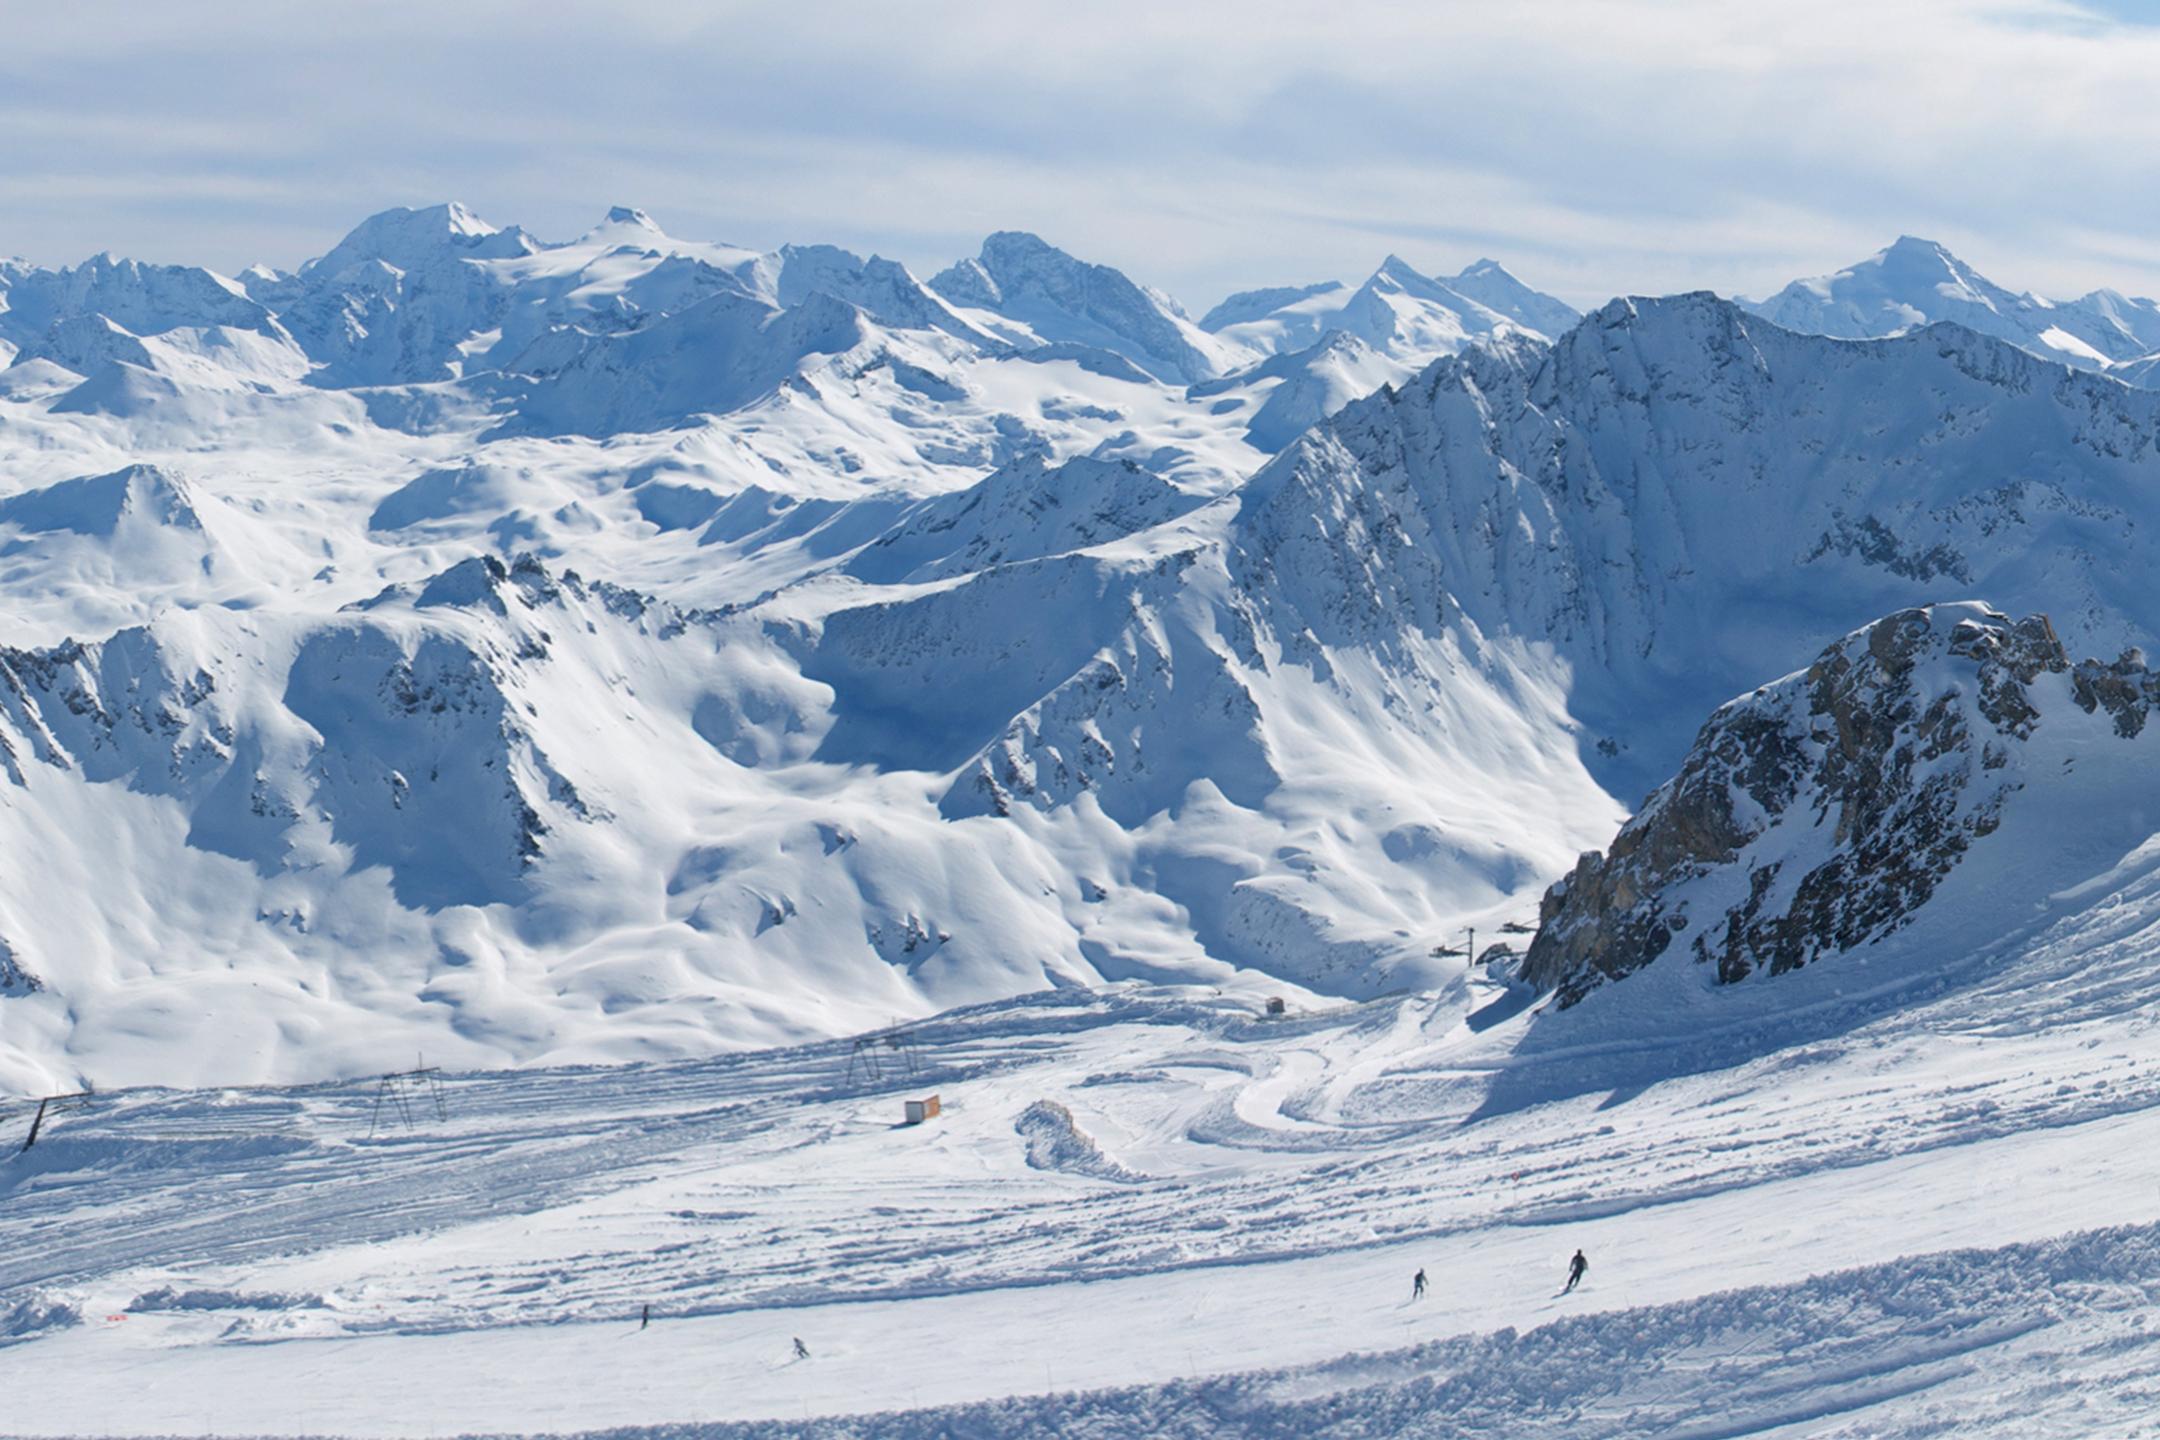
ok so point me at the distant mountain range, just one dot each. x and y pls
(1916, 283)
(639, 646)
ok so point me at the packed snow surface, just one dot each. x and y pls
(1149, 1211)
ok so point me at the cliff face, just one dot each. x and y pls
(1821, 812)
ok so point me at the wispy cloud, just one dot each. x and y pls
(1597, 145)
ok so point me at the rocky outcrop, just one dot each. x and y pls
(1821, 812)
(14, 979)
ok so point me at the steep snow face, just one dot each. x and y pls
(883, 289)
(1490, 284)
(1050, 297)
(1918, 282)
(392, 745)
(1823, 812)
(1285, 395)
(716, 356)
(1248, 305)
(1024, 511)
(1591, 496)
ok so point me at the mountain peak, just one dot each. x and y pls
(1916, 245)
(1015, 240)
(630, 215)
(407, 238)
(1915, 282)
(458, 219)
(1399, 269)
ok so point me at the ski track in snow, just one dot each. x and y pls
(1282, 1180)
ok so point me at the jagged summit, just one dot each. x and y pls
(1492, 285)
(1405, 315)
(627, 215)
(1822, 813)
(413, 239)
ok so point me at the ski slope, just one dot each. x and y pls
(1839, 1213)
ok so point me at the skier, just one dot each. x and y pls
(1417, 1286)
(645, 1321)
(802, 1351)
(1576, 1269)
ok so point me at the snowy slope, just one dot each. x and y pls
(1892, 1213)
(1590, 495)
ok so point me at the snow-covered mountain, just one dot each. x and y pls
(1938, 768)
(1399, 313)
(1327, 345)
(1589, 495)
(667, 646)
(1030, 292)
(506, 655)
(1915, 283)
(352, 601)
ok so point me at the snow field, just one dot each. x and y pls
(1276, 1184)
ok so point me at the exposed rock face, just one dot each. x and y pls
(404, 734)
(14, 979)
(1821, 812)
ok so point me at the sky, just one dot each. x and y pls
(1593, 146)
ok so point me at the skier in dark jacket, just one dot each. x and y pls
(1417, 1286)
(1576, 1269)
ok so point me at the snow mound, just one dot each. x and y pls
(1056, 1142)
(34, 1315)
(167, 1298)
